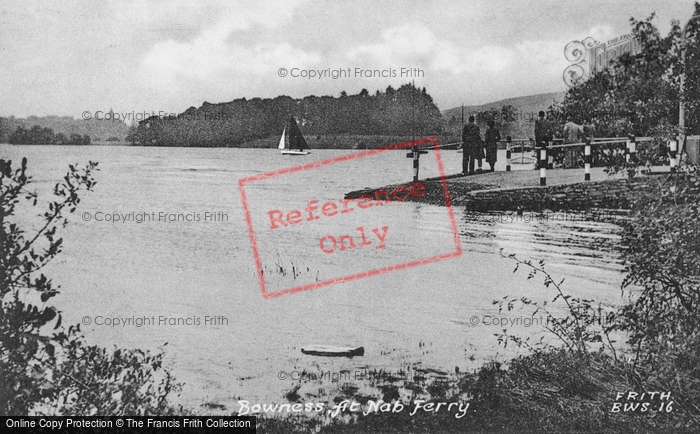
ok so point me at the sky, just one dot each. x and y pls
(69, 57)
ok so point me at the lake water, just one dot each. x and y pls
(196, 269)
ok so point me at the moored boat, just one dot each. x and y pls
(333, 351)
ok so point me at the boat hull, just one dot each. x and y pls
(290, 152)
(331, 351)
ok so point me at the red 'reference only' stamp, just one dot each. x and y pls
(337, 228)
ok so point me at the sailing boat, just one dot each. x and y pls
(297, 143)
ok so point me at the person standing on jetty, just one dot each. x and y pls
(492, 136)
(543, 134)
(572, 134)
(471, 146)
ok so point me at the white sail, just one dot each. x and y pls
(281, 145)
(294, 136)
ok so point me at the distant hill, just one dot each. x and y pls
(522, 104)
(525, 110)
(98, 130)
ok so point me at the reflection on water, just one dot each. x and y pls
(579, 241)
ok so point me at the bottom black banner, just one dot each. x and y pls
(135, 424)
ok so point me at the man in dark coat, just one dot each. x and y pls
(491, 137)
(543, 134)
(471, 146)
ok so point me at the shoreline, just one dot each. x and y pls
(520, 191)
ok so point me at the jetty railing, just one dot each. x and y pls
(630, 152)
(545, 159)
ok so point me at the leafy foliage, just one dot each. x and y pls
(100, 126)
(662, 286)
(587, 325)
(405, 110)
(636, 94)
(663, 257)
(640, 94)
(686, 49)
(45, 136)
(43, 367)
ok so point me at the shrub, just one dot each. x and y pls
(44, 368)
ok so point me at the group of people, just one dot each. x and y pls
(573, 133)
(475, 150)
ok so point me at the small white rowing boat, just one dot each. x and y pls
(332, 351)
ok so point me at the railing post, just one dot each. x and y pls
(550, 156)
(415, 163)
(631, 149)
(508, 149)
(673, 148)
(587, 161)
(543, 166)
